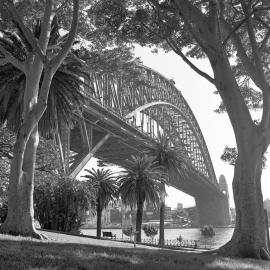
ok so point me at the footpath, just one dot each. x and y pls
(90, 240)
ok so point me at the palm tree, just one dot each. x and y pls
(140, 182)
(105, 183)
(65, 91)
(174, 163)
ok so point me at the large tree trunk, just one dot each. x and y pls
(161, 221)
(139, 216)
(20, 218)
(99, 214)
(249, 238)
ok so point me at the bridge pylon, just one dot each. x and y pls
(214, 210)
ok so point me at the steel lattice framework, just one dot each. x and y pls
(154, 105)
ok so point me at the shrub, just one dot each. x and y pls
(179, 238)
(3, 208)
(128, 231)
(150, 230)
(207, 230)
(61, 203)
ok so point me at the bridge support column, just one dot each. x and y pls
(213, 211)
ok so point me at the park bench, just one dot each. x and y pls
(109, 235)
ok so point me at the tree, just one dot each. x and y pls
(33, 57)
(105, 183)
(61, 202)
(234, 37)
(140, 182)
(48, 168)
(174, 163)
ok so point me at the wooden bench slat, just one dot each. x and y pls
(108, 234)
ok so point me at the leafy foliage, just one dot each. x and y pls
(230, 155)
(170, 157)
(65, 91)
(128, 231)
(61, 203)
(141, 179)
(208, 230)
(150, 230)
(105, 184)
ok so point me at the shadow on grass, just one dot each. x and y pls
(48, 255)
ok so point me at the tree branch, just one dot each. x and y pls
(46, 26)
(9, 58)
(27, 33)
(267, 36)
(197, 23)
(175, 48)
(241, 53)
(235, 29)
(64, 3)
(187, 61)
(58, 59)
(255, 48)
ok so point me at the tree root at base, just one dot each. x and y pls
(5, 229)
(232, 249)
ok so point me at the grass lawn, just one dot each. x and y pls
(71, 252)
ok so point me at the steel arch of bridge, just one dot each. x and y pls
(157, 101)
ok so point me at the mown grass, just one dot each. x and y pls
(20, 253)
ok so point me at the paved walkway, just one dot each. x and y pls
(65, 238)
(85, 240)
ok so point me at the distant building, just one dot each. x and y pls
(193, 216)
(150, 212)
(179, 206)
(168, 212)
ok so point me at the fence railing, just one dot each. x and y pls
(168, 243)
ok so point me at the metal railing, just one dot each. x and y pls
(168, 243)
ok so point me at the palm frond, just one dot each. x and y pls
(105, 182)
(171, 157)
(65, 92)
(143, 178)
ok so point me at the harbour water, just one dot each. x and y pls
(222, 235)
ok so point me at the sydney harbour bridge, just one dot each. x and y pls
(120, 118)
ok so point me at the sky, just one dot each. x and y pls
(216, 128)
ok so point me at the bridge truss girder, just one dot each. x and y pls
(124, 99)
(119, 119)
